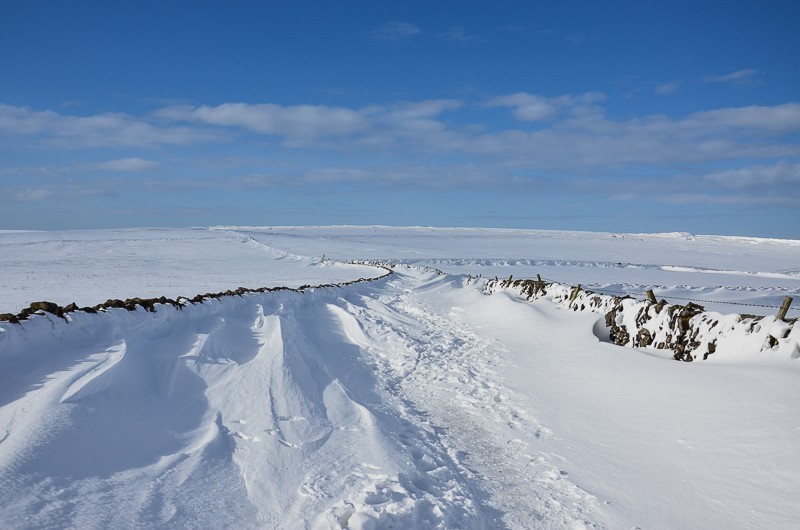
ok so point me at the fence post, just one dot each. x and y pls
(651, 296)
(575, 292)
(784, 307)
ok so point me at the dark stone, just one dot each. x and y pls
(131, 303)
(619, 335)
(8, 317)
(644, 338)
(712, 347)
(611, 317)
(49, 307)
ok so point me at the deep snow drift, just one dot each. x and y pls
(413, 401)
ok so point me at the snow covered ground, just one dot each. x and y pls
(722, 272)
(414, 401)
(90, 266)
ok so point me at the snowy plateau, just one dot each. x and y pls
(426, 394)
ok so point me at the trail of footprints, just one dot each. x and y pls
(462, 363)
(441, 377)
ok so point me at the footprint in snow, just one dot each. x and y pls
(543, 432)
(246, 437)
(291, 418)
(314, 486)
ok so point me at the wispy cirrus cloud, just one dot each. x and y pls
(418, 176)
(34, 194)
(665, 89)
(745, 75)
(460, 35)
(395, 30)
(126, 164)
(62, 189)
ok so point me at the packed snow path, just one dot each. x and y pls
(410, 402)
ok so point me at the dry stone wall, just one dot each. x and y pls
(688, 330)
(150, 304)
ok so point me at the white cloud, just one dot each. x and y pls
(323, 126)
(419, 176)
(531, 107)
(411, 121)
(395, 31)
(783, 174)
(428, 108)
(126, 164)
(767, 184)
(450, 141)
(574, 132)
(527, 107)
(739, 76)
(666, 89)
(61, 189)
(33, 194)
(31, 170)
(725, 198)
(460, 35)
(109, 129)
(779, 119)
(303, 122)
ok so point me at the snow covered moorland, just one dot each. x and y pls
(425, 398)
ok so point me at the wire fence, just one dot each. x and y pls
(603, 290)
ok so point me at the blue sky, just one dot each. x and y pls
(619, 116)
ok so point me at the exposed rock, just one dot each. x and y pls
(49, 307)
(8, 317)
(644, 338)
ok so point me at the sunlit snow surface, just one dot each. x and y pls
(414, 401)
(89, 266)
(677, 266)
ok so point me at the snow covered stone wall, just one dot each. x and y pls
(150, 304)
(688, 330)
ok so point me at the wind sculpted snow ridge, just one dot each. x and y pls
(689, 331)
(350, 407)
(249, 412)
